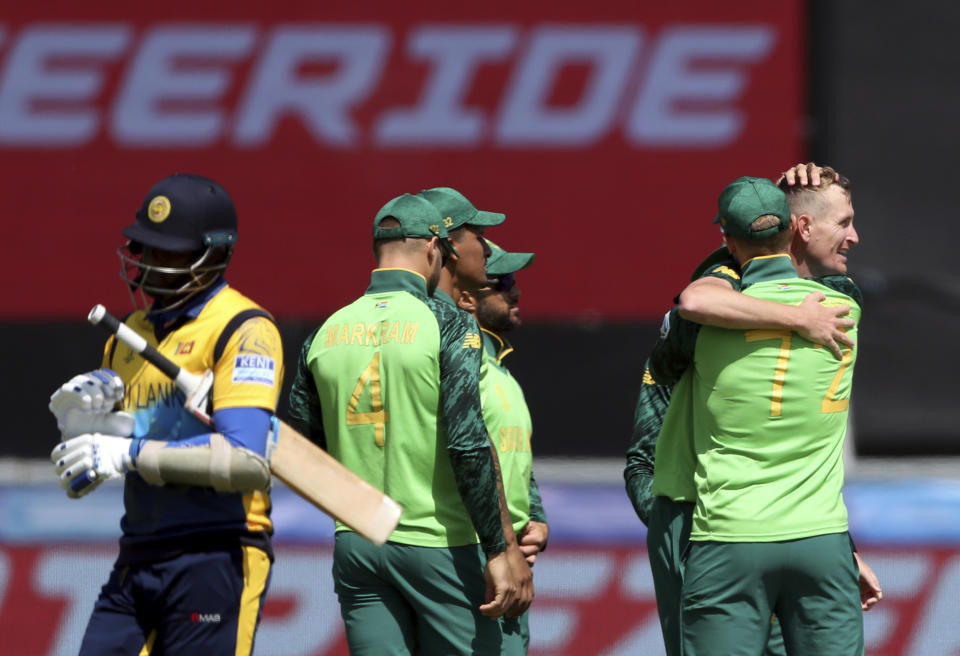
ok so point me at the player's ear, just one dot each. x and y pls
(803, 225)
(730, 243)
(432, 247)
(467, 302)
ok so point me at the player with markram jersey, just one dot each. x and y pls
(389, 385)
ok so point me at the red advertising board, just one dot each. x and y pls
(605, 132)
(590, 601)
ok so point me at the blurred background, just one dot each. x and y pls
(604, 131)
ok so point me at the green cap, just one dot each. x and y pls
(746, 199)
(501, 262)
(457, 211)
(417, 218)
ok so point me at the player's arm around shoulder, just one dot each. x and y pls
(716, 301)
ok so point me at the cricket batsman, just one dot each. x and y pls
(195, 554)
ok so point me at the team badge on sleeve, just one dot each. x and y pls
(252, 368)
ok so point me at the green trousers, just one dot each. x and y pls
(730, 590)
(668, 539)
(400, 599)
(516, 635)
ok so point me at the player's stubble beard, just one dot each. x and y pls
(497, 317)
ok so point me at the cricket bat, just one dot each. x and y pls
(304, 467)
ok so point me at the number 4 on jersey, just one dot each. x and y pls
(378, 416)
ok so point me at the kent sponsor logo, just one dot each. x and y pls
(254, 362)
(252, 368)
(200, 85)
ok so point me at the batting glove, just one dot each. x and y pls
(85, 404)
(84, 462)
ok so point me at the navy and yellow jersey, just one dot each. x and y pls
(227, 333)
(390, 385)
(654, 399)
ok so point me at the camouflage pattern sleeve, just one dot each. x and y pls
(468, 442)
(305, 414)
(673, 352)
(844, 285)
(537, 513)
(648, 416)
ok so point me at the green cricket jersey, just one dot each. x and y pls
(675, 453)
(768, 464)
(508, 421)
(770, 415)
(391, 383)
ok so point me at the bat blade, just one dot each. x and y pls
(321, 479)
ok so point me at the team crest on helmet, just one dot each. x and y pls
(159, 209)
(447, 222)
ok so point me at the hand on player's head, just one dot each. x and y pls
(807, 174)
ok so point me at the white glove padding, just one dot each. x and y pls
(83, 462)
(85, 404)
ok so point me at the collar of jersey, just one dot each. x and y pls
(443, 297)
(397, 280)
(495, 345)
(190, 310)
(768, 267)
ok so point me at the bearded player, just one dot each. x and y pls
(505, 412)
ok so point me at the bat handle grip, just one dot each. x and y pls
(100, 317)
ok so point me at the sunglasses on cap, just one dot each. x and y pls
(503, 283)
